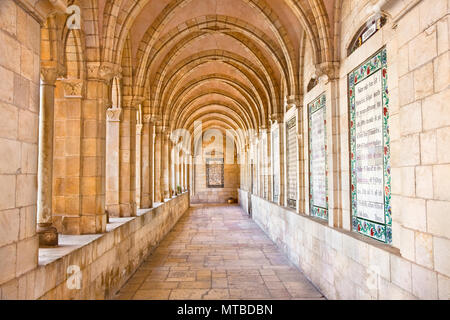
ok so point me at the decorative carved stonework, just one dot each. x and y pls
(103, 71)
(107, 71)
(276, 117)
(73, 88)
(327, 71)
(49, 74)
(139, 129)
(113, 114)
(92, 70)
(147, 118)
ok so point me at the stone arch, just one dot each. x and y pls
(163, 17)
(201, 25)
(203, 58)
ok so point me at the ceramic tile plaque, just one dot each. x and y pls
(214, 173)
(370, 149)
(291, 156)
(318, 185)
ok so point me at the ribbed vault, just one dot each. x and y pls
(232, 64)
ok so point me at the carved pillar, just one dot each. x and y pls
(170, 168)
(147, 163)
(48, 235)
(186, 175)
(151, 152)
(112, 198)
(183, 172)
(300, 163)
(67, 165)
(92, 216)
(139, 126)
(269, 164)
(127, 154)
(294, 103)
(191, 166)
(277, 119)
(158, 183)
(144, 169)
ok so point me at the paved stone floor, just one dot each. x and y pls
(217, 252)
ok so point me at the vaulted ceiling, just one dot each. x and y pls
(228, 63)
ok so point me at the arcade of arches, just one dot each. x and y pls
(327, 121)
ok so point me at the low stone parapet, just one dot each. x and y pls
(97, 266)
(343, 264)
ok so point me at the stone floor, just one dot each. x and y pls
(217, 252)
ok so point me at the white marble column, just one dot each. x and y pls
(278, 118)
(151, 150)
(138, 161)
(165, 193)
(48, 235)
(171, 170)
(112, 201)
(158, 183)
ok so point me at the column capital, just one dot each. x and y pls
(49, 74)
(276, 117)
(293, 101)
(108, 71)
(327, 71)
(147, 118)
(103, 71)
(113, 114)
(73, 88)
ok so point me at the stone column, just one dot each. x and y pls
(112, 199)
(186, 173)
(92, 217)
(126, 156)
(171, 167)
(183, 172)
(164, 166)
(300, 162)
(138, 161)
(269, 165)
(147, 163)
(144, 170)
(278, 118)
(151, 151)
(158, 193)
(48, 235)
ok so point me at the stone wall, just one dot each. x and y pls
(105, 261)
(344, 265)
(203, 194)
(19, 106)
(416, 38)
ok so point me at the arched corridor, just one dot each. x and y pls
(217, 252)
(273, 140)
